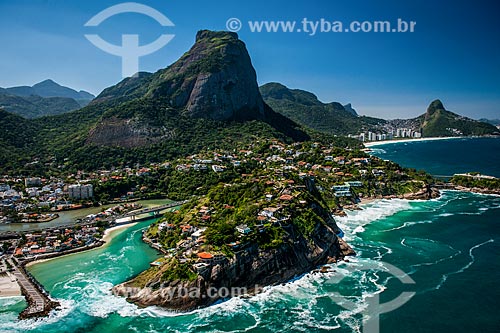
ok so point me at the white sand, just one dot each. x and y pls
(384, 142)
(108, 233)
(9, 286)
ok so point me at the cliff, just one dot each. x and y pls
(254, 264)
(215, 79)
(213, 84)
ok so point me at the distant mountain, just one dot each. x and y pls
(494, 122)
(437, 121)
(49, 88)
(333, 118)
(304, 108)
(348, 108)
(34, 106)
(43, 99)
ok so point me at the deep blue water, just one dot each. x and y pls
(446, 157)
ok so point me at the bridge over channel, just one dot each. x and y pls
(155, 210)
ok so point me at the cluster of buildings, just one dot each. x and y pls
(32, 196)
(390, 135)
(55, 240)
(79, 191)
(270, 167)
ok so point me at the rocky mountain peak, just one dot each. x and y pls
(434, 106)
(214, 79)
(209, 34)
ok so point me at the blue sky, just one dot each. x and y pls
(454, 53)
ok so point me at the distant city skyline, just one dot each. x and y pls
(453, 55)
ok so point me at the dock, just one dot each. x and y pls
(39, 303)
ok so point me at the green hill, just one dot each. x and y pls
(17, 138)
(305, 108)
(437, 121)
(34, 106)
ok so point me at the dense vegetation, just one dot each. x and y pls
(36, 106)
(439, 122)
(476, 182)
(304, 108)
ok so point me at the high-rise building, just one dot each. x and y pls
(79, 191)
(32, 182)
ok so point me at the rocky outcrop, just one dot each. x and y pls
(128, 133)
(215, 79)
(228, 90)
(427, 192)
(250, 270)
(477, 190)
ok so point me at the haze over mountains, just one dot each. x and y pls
(42, 99)
(208, 98)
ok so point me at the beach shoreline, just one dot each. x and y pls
(108, 235)
(9, 286)
(385, 142)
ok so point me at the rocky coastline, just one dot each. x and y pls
(249, 269)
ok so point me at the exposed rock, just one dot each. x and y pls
(127, 133)
(214, 80)
(251, 268)
(425, 193)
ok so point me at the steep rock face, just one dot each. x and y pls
(214, 79)
(126, 133)
(251, 268)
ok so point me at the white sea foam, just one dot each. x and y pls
(378, 151)
(67, 306)
(446, 214)
(409, 224)
(355, 221)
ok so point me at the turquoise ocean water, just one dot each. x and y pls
(449, 246)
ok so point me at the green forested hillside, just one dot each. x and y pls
(305, 108)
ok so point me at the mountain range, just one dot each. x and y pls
(305, 108)
(208, 98)
(335, 118)
(42, 99)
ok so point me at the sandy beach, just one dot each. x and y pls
(108, 233)
(385, 142)
(107, 237)
(9, 286)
